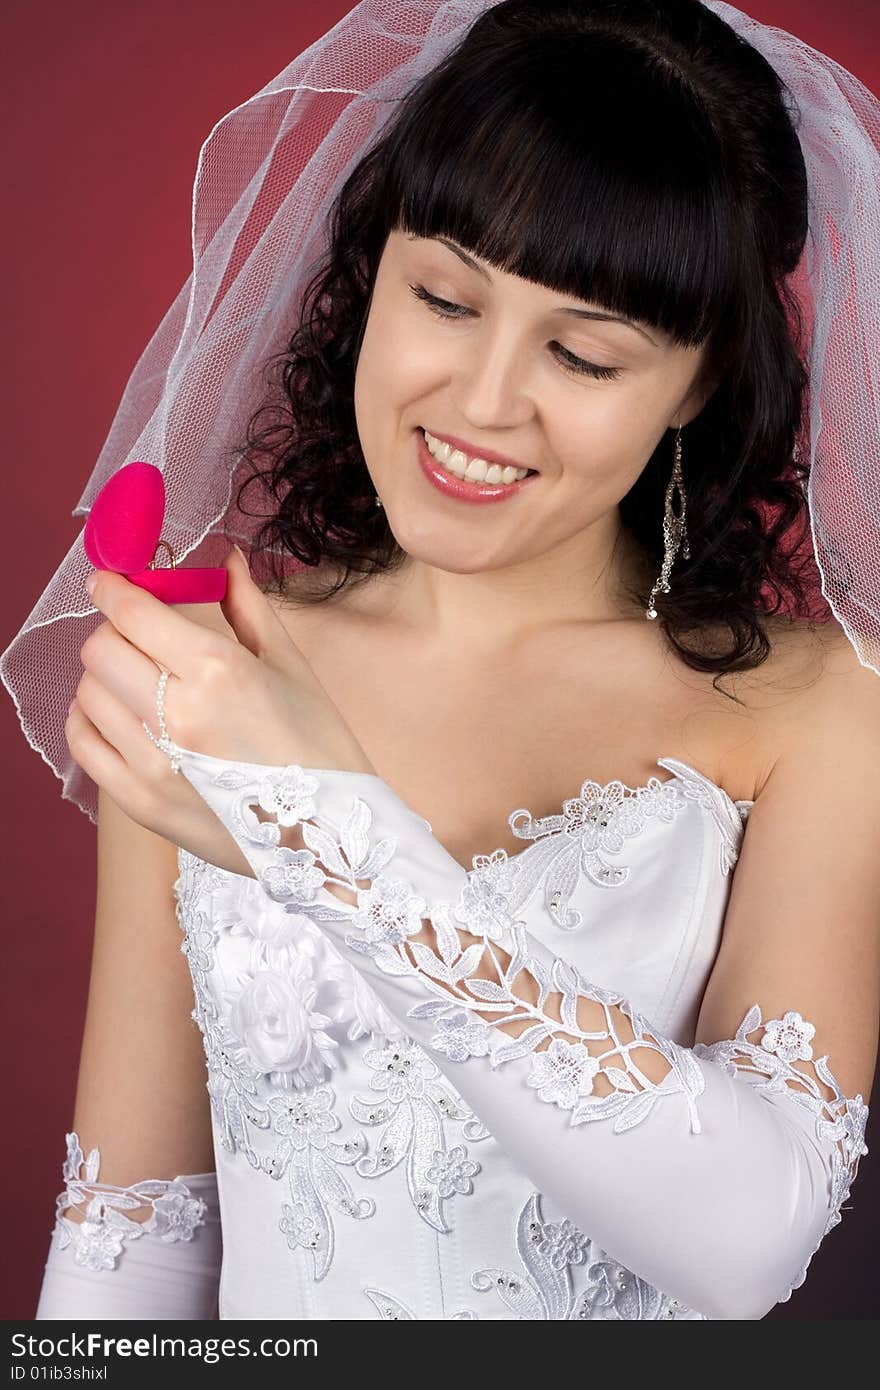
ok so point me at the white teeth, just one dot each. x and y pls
(477, 470)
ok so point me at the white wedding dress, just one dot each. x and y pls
(383, 1150)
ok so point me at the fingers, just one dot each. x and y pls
(152, 626)
(102, 762)
(113, 736)
(126, 673)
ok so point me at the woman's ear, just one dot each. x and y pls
(701, 391)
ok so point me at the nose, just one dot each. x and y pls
(490, 383)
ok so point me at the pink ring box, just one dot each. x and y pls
(122, 534)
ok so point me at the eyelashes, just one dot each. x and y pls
(444, 309)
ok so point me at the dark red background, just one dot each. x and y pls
(107, 106)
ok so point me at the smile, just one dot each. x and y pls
(476, 470)
(455, 481)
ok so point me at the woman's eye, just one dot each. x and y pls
(441, 307)
(444, 309)
(582, 368)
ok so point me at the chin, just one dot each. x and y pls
(451, 553)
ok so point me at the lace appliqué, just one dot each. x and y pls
(549, 1251)
(598, 823)
(389, 911)
(288, 989)
(784, 1042)
(256, 1094)
(293, 1125)
(417, 1101)
(544, 1288)
(478, 994)
(591, 826)
(98, 1239)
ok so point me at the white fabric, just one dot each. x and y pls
(374, 1160)
(112, 1266)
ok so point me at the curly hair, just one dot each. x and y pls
(636, 153)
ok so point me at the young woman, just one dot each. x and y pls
(531, 933)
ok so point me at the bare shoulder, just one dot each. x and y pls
(792, 705)
(815, 656)
(804, 658)
(825, 702)
(845, 703)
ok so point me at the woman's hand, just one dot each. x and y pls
(253, 700)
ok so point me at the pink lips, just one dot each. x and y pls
(462, 488)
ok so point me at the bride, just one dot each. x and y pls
(543, 717)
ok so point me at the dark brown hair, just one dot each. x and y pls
(636, 154)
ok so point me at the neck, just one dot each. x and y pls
(580, 582)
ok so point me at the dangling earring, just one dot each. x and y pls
(378, 500)
(674, 528)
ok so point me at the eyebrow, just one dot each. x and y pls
(561, 309)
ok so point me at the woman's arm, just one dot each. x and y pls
(713, 1172)
(137, 1231)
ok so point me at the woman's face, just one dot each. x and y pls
(500, 377)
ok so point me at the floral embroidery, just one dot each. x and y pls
(98, 1239)
(592, 825)
(268, 1051)
(616, 1293)
(452, 1171)
(289, 795)
(565, 846)
(789, 1037)
(388, 909)
(467, 1007)
(282, 1127)
(418, 1100)
(549, 1252)
(459, 1036)
(488, 895)
(595, 824)
(844, 1120)
(387, 913)
(563, 1244)
(563, 1073)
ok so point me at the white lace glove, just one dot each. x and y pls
(715, 1181)
(111, 1266)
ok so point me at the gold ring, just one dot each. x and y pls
(152, 564)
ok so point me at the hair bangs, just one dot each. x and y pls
(577, 165)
